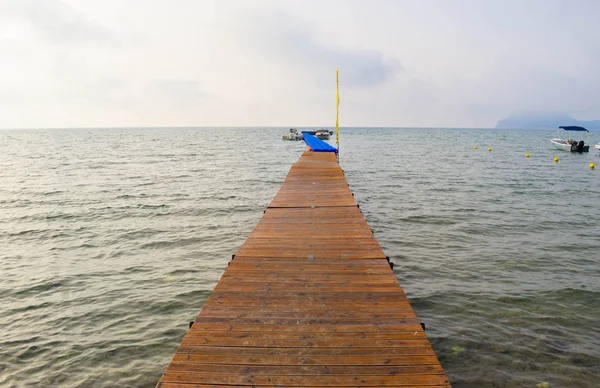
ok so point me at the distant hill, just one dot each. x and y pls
(543, 121)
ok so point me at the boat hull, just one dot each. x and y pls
(562, 145)
(293, 135)
(293, 138)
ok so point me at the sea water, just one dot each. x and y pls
(111, 240)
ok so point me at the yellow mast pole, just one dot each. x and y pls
(337, 113)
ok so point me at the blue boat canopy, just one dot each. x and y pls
(574, 128)
(317, 145)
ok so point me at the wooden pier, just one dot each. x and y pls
(308, 301)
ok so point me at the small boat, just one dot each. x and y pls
(293, 135)
(322, 134)
(570, 144)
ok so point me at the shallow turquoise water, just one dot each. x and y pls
(112, 239)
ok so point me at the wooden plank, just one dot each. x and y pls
(304, 321)
(309, 335)
(288, 304)
(349, 251)
(306, 352)
(402, 312)
(194, 385)
(300, 263)
(325, 297)
(292, 341)
(351, 360)
(303, 381)
(331, 276)
(287, 261)
(306, 370)
(408, 324)
(309, 300)
(307, 287)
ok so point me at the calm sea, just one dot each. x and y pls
(111, 240)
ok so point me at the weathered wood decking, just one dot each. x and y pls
(309, 301)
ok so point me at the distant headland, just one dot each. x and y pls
(543, 121)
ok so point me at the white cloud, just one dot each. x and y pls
(267, 62)
(57, 22)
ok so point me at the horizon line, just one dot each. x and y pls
(251, 126)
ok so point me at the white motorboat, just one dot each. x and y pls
(322, 134)
(570, 144)
(293, 135)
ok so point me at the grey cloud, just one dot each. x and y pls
(60, 23)
(279, 36)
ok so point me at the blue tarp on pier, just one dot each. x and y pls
(317, 145)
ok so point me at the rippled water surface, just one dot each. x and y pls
(112, 239)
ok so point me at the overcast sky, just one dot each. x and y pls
(97, 63)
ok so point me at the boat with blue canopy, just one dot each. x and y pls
(566, 141)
